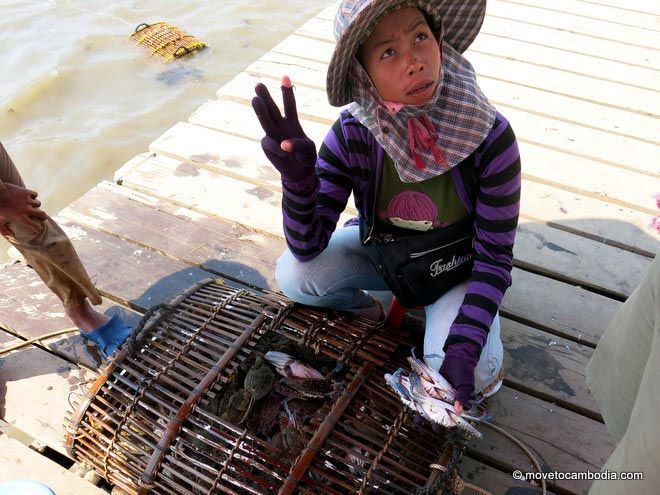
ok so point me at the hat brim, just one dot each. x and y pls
(459, 20)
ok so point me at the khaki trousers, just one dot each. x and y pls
(50, 253)
(624, 377)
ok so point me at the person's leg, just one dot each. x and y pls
(51, 254)
(337, 278)
(623, 375)
(439, 317)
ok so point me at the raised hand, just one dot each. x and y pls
(285, 144)
(19, 205)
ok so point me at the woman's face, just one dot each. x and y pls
(402, 57)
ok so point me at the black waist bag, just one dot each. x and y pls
(421, 267)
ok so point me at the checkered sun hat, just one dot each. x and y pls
(458, 21)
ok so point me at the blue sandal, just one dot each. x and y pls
(109, 336)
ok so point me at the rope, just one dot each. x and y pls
(20, 345)
(457, 485)
(523, 447)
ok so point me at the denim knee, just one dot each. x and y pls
(290, 275)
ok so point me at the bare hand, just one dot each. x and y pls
(20, 205)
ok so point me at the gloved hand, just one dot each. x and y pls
(458, 368)
(287, 147)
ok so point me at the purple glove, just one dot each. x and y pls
(287, 147)
(458, 368)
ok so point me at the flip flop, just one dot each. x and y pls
(109, 336)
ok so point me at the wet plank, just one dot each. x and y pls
(35, 388)
(547, 366)
(29, 309)
(561, 440)
(19, 462)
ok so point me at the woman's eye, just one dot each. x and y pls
(388, 53)
(421, 37)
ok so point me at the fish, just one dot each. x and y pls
(433, 382)
(413, 393)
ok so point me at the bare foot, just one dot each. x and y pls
(85, 317)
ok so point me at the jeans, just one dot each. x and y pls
(340, 277)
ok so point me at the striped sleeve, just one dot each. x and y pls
(311, 207)
(496, 218)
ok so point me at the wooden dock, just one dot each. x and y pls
(579, 81)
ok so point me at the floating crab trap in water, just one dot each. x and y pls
(195, 403)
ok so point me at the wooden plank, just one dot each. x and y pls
(19, 462)
(566, 60)
(493, 480)
(639, 6)
(560, 308)
(34, 393)
(547, 366)
(29, 309)
(578, 260)
(560, 439)
(135, 276)
(550, 304)
(595, 11)
(631, 35)
(213, 244)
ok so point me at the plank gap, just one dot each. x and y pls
(536, 270)
(593, 237)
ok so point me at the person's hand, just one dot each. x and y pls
(19, 205)
(287, 147)
(458, 368)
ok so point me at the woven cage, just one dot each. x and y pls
(165, 42)
(150, 423)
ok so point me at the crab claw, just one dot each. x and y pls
(290, 367)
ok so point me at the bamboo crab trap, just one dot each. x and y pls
(163, 416)
(166, 42)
